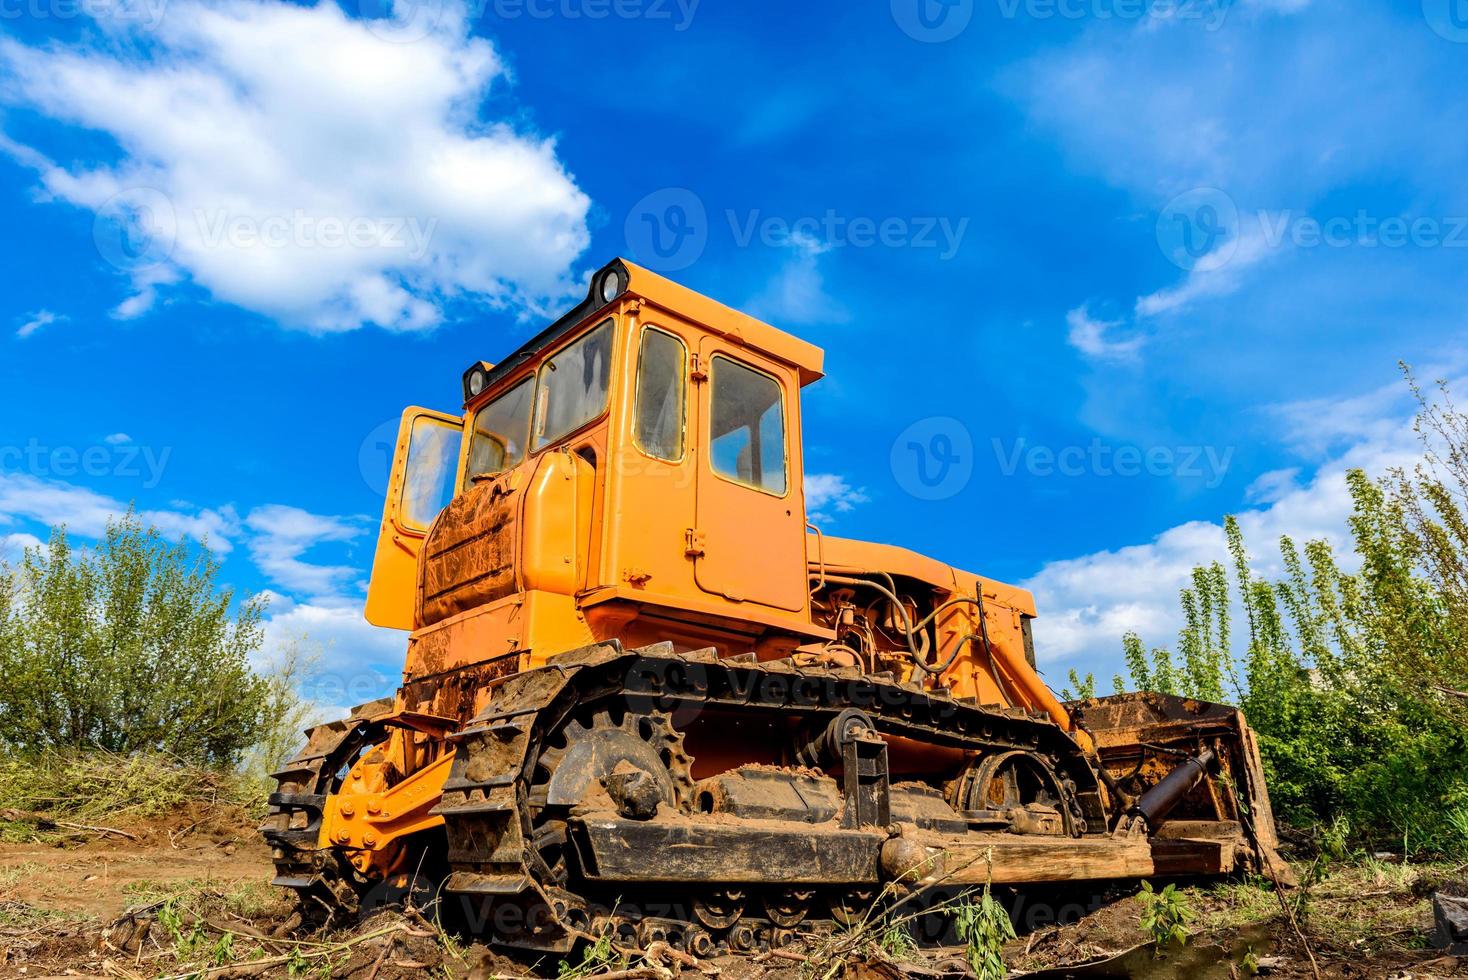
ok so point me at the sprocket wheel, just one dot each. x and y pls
(630, 756)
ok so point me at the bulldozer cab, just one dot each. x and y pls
(650, 441)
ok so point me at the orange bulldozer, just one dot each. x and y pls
(644, 695)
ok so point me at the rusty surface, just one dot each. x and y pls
(469, 558)
(1142, 738)
(456, 693)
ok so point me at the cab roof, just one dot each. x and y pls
(633, 280)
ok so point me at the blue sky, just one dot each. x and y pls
(1089, 273)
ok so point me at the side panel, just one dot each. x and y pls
(749, 543)
(424, 474)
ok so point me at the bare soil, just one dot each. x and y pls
(189, 896)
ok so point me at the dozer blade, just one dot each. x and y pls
(1190, 770)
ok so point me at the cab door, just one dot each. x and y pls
(749, 542)
(425, 469)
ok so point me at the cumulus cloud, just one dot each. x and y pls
(281, 535)
(302, 164)
(353, 661)
(828, 495)
(86, 512)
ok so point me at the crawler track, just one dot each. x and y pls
(326, 885)
(507, 838)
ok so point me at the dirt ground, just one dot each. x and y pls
(189, 897)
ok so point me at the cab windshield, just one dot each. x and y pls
(570, 390)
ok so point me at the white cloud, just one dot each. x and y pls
(1219, 276)
(1090, 336)
(305, 165)
(828, 495)
(1315, 427)
(1273, 486)
(797, 293)
(37, 321)
(118, 439)
(85, 512)
(13, 546)
(357, 661)
(1087, 603)
(281, 535)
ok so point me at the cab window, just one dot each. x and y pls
(747, 426)
(573, 386)
(660, 394)
(497, 440)
(428, 479)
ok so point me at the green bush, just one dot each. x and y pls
(130, 647)
(1354, 681)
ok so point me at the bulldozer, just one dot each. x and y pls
(644, 696)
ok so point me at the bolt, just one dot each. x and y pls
(374, 807)
(347, 811)
(370, 840)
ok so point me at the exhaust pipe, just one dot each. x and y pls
(1155, 804)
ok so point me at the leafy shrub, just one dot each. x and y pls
(1352, 680)
(130, 647)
